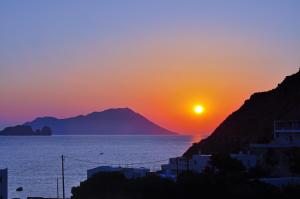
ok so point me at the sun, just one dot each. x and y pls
(198, 109)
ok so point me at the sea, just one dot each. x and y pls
(35, 162)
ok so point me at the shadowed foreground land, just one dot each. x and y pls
(225, 179)
(116, 186)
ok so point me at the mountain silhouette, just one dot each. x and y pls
(120, 121)
(253, 121)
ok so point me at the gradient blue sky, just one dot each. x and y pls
(159, 57)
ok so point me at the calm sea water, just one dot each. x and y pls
(34, 163)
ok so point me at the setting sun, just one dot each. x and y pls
(198, 109)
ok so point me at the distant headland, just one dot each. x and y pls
(118, 121)
(25, 130)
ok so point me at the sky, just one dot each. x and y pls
(64, 58)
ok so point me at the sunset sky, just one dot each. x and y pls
(159, 57)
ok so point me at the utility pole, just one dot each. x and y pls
(63, 175)
(177, 171)
(57, 190)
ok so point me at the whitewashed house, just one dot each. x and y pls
(287, 132)
(274, 156)
(199, 162)
(129, 173)
(178, 165)
(3, 184)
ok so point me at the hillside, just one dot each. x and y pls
(253, 121)
(121, 121)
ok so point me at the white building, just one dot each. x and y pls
(129, 173)
(199, 162)
(178, 165)
(3, 184)
(274, 155)
(287, 132)
(286, 135)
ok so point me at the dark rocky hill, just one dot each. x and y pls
(121, 121)
(253, 121)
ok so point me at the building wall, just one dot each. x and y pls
(199, 162)
(3, 184)
(287, 132)
(180, 164)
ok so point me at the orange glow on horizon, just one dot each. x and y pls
(160, 77)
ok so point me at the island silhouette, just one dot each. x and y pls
(117, 121)
(25, 130)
